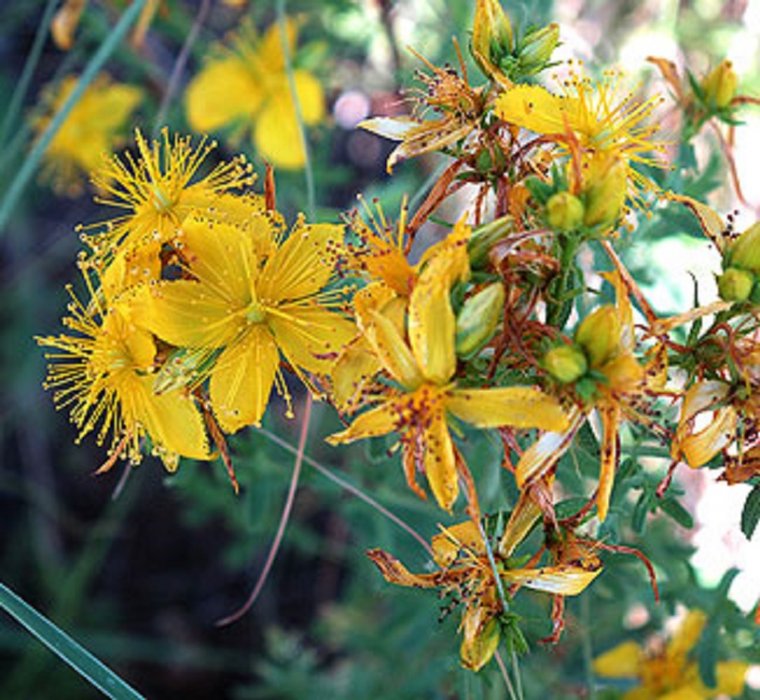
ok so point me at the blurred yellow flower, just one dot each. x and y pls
(668, 673)
(95, 126)
(247, 87)
(105, 373)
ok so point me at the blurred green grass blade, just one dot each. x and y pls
(29, 166)
(29, 65)
(84, 663)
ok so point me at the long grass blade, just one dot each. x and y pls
(63, 646)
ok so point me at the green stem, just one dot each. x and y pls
(308, 172)
(586, 646)
(29, 66)
(29, 167)
(568, 249)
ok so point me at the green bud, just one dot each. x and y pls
(745, 250)
(565, 363)
(735, 284)
(477, 652)
(599, 335)
(483, 239)
(606, 195)
(537, 49)
(564, 211)
(720, 85)
(478, 318)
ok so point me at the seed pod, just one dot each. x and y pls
(491, 37)
(564, 211)
(744, 253)
(537, 49)
(735, 284)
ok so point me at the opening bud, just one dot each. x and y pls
(745, 251)
(537, 49)
(566, 363)
(564, 211)
(599, 335)
(735, 284)
(491, 37)
(606, 193)
(719, 85)
(478, 319)
(484, 237)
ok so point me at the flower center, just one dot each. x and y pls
(255, 313)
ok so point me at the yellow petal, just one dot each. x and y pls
(448, 261)
(731, 675)
(687, 634)
(302, 265)
(276, 135)
(522, 519)
(389, 346)
(477, 650)
(543, 454)
(557, 580)
(395, 572)
(186, 314)
(221, 256)
(432, 330)
(610, 422)
(535, 108)
(685, 692)
(440, 466)
(242, 379)
(519, 407)
(622, 661)
(269, 49)
(699, 448)
(309, 335)
(356, 364)
(452, 540)
(173, 422)
(224, 91)
(130, 268)
(380, 420)
(711, 223)
(624, 374)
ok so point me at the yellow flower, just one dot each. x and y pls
(105, 374)
(445, 93)
(424, 369)
(594, 117)
(465, 571)
(158, 188)
(668, 673)
(379, 256)
(248, 87)
(93, 127)
(249, 309)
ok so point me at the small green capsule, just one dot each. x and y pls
(564, 212)
(735, 284)
(478, 319)
(566, 363)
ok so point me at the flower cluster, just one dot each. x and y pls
(200, 297)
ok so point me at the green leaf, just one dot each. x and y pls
(707, 654)
(55, 639)
(676, 511)
(751, 512)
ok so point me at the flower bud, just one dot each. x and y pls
(476, 651)
(564, 211)
(720, 85)
(491, 37)
(745, 250)
(478, 319)
(537, 49)
(599, 335)
(565, 363)
(606, 195)
(735, 284)
(484, 237)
